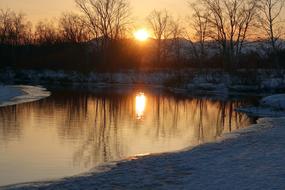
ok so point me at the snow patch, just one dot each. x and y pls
(8, 92)
(275, 101)
(12, 95)
(271, 106)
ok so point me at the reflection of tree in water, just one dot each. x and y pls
(93, 121)
(100, 123)
(209, 118)
(169, 118)
(223, 118)
(9, 123)
(101, 143)
(229, 120)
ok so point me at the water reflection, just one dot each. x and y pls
(71, 132)
(140, 105)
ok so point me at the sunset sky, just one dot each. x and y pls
(40, 9)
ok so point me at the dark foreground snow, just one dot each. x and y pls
(250, 159)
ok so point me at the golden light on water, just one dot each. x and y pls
(140, 105)
(141, 35)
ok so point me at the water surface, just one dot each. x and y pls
(74, 131)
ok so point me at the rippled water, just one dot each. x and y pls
(75, 130)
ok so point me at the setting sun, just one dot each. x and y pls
(141, 35)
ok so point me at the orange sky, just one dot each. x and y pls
(40, 9)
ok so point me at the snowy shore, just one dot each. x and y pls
(12, 95)
(216, 81)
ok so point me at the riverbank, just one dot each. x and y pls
(12, 95)
(190, 80)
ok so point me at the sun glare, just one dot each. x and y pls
(141, 35)
(140, 105)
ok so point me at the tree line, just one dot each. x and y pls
(226, 26)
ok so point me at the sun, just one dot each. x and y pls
(141, 35)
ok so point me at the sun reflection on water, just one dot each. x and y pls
(140, 105)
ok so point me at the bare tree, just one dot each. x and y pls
(177, 33)
(200, 28)
(159, 22)
(107, 18)
(14, 29)
(270, 21)
(73, 28)
(6, 25)
(46, 33)
(229, 24)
